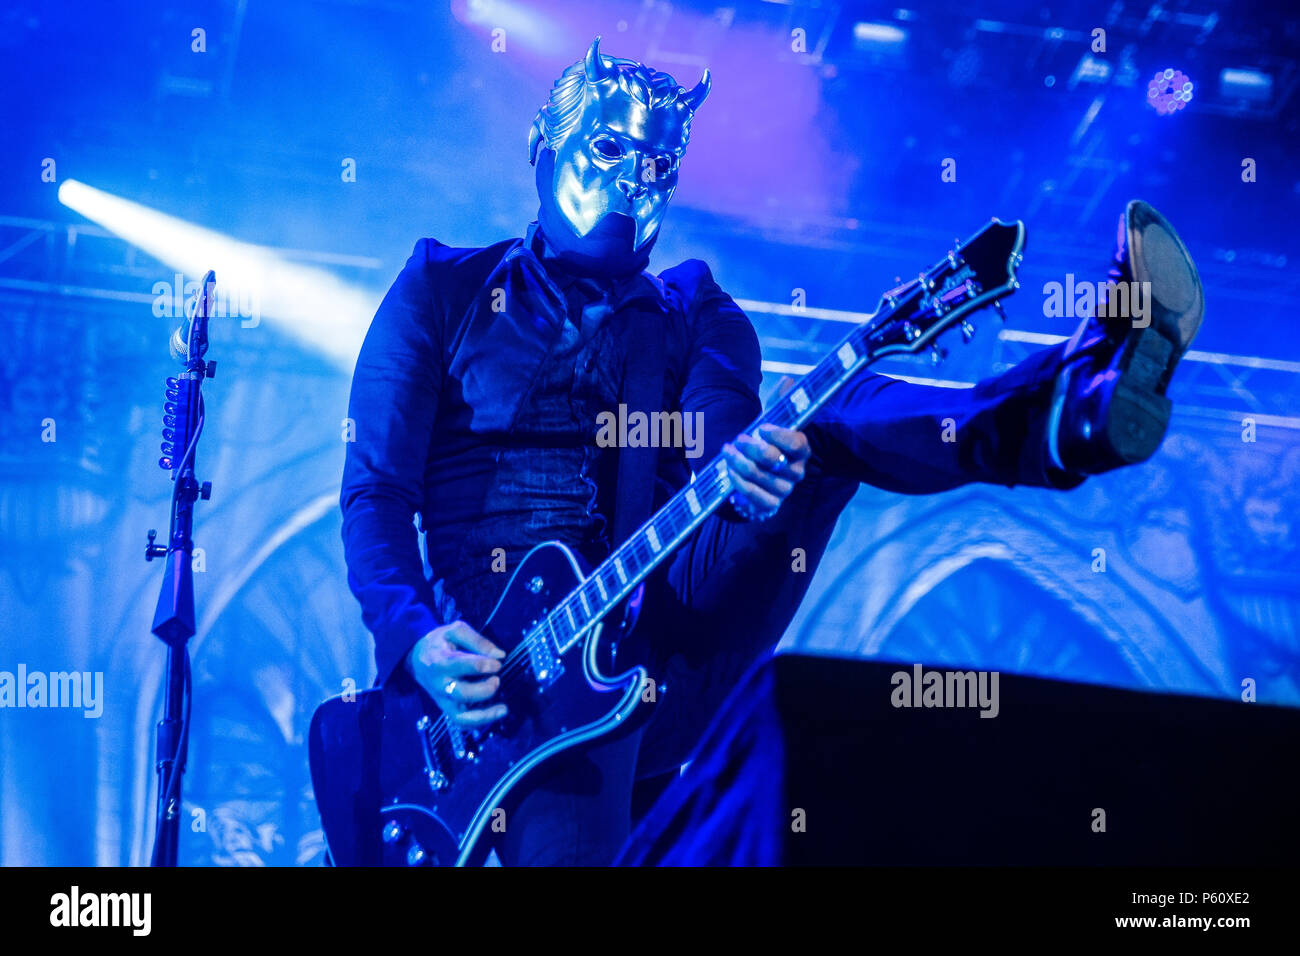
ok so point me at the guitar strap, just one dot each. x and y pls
(643, 390)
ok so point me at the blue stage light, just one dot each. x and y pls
(877, 34)
(1249, 85)
(316, 307)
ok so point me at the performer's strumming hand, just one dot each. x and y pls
(457, 667)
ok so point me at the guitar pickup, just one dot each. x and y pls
(542, 657)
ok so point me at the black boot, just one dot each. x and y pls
(1118, 364)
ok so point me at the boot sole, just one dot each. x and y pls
(1177, 301)
(1138, 416)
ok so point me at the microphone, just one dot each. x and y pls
(183, 408)
(190, 341)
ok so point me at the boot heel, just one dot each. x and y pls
(1136, 422)
(1149, 360)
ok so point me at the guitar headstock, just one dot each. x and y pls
(976, 273)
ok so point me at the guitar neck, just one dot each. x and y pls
(633, 560)
(909, 319)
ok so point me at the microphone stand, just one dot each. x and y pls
(173, 619)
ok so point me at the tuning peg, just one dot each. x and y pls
(967, 331)
(954, 257)
(937, 354)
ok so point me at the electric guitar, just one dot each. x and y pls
(397, 784)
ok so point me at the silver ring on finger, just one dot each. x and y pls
(449, 688)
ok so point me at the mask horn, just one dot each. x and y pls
(534, 138)
(695, 97)
(594, 67)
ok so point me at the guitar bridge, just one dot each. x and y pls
(542, 657)
(462, 742)
(433, 774)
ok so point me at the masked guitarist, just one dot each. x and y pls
(479, 389)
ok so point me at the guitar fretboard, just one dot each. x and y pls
(632, 561)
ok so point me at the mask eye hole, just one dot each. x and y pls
(607, 148)
(665, 165)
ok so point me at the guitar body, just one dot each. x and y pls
(396, 786)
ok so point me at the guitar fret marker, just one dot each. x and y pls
(847, 355)
(618, 567)
(572, 623)
(653, 538)
(693, 500)
(799, 399)
(600, 586)
(582, 596)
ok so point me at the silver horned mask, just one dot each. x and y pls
(610, 139)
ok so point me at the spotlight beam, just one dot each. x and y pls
(314, 306)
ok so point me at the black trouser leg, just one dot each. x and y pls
(919, 439)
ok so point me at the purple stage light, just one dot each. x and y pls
(1169, 91)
